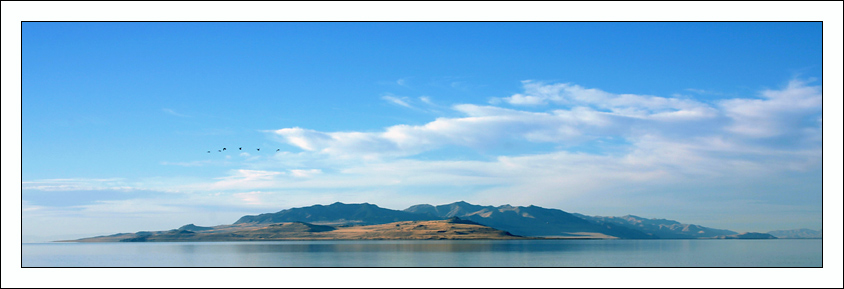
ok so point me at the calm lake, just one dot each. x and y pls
(431, 253)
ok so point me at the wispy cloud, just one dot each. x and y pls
(251, 198)
(396, 100)
(174, 113)
(426, 100)
(630, 105)
(305, 173)
(76, 184)
(189, 164)
(778, 112)
(703, 91)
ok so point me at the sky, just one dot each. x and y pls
(712, 123)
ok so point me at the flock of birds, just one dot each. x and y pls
(240, 149)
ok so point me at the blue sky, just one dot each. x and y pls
(717, 124)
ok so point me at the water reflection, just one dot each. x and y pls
(432, 253)
(424, 246)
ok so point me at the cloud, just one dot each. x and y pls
(171, 112)
(778, 112)
(703, 92)
(305, 173)
(481, 127)
(426, 100)
(629, 105)
(397, 101)
(251, 198)
(189, 164)
(590, 114)
(242, 178)
(76, 184)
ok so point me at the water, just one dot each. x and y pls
(429, 253)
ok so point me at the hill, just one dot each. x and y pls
(452, 229)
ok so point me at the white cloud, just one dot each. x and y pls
(484, 126)
(305, 173)
(306, 139)
(630, 105)
(399, 101)
(593, 115)
(779, 112)
(520, 99)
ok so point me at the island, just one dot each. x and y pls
(455, 221)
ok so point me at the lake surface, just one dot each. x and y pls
(431, 253)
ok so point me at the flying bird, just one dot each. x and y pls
(259, 149)
(240, 148)
(224, 148)
(277, 149)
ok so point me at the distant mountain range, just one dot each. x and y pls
(797, 234)
(660, 228)
(459, 220)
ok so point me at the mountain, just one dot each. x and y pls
(661, 228)
(528, 221)
(748, 235)
(368, 221)
(195, 228)
(336, 213)
(797, 234)
(451, 229)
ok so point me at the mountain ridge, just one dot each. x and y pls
(661, 228)
(526, 221)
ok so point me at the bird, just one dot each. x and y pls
(240, 148)
(224, 148)
(259, 149)
(209, 152)
(219, 151)
(277, 149)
